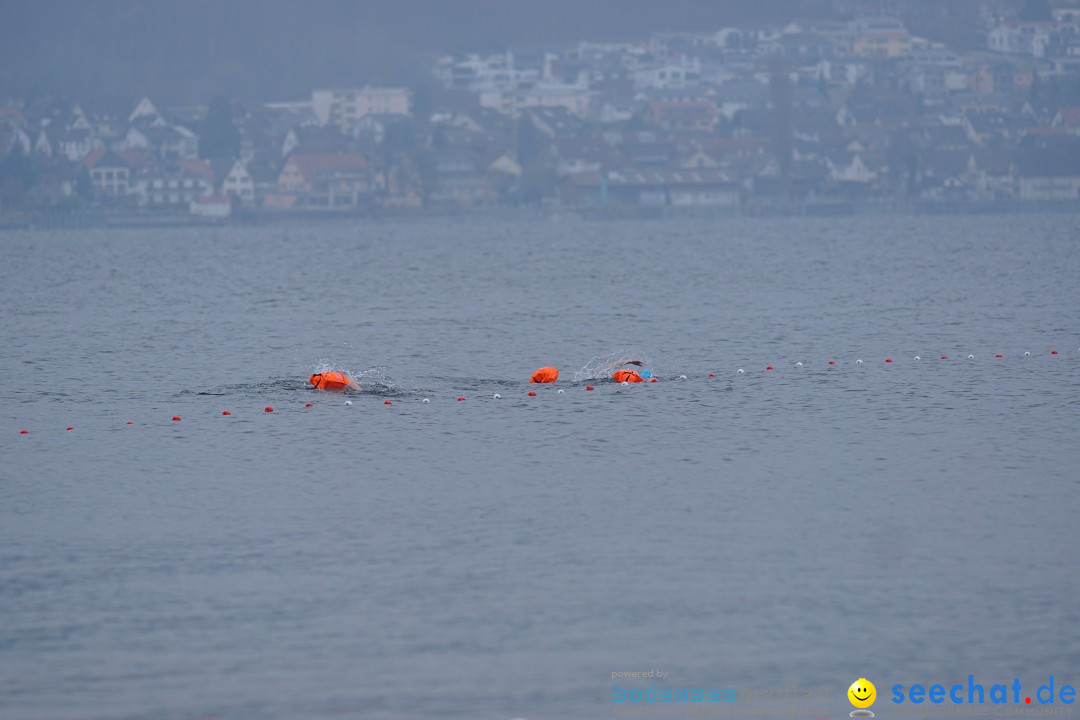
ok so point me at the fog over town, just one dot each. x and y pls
(131, 112)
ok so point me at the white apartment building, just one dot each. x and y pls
(344, 107)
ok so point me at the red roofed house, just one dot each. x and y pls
(1068, 118)
(323, 182)
(110, 173)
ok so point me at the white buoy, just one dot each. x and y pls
(497, 396)
(1027, 354)
(917, 358)
(425, 400)
(741, 371)
(971, 357)
(625, 383)
(858, 362)
(560, 392)
(348, 402)
(798, 364)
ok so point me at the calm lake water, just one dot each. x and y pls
(907, 522)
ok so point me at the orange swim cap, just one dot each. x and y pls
(545, 375)
(626, 376)
(331, 380)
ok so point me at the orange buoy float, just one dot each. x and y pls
(626, 376)
(332, 380)
(545, 375)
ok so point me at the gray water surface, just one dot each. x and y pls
(906, 522)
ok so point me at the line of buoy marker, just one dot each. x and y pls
(532, 393)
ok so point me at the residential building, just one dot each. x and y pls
(345, 107)
(328, 182)
(238, 183)
(880, 37)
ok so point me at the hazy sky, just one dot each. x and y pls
(188, 50)
(275, 49)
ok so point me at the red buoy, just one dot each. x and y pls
(768, 367)
(1053, 352)
(944, 357)
(532, 393)
(999, 355)
(387, 402)
(888, 359)
(461, 398)
(710, 375)
(308, 404)
(131, 422)
(69, 428)
(588, 387)
(176, 418)
(24, 432)
(832, 362)
(654, 379)
(268, 409)
(226, 412)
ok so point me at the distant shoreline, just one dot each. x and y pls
(46, 220)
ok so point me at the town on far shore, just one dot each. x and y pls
(816, 116)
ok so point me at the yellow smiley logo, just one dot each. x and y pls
(862, 693)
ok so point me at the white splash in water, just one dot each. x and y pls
(602, 366)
